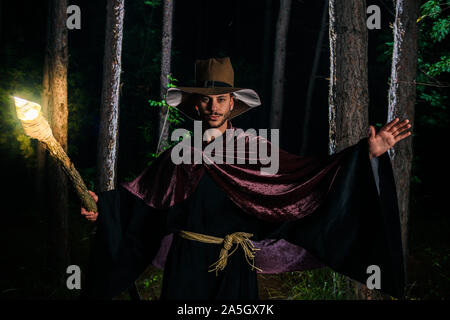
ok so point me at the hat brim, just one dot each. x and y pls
(179, 97)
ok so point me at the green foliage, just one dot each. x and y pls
(150, 283)
(434, 98)
(415, 179)
(440, 29)
(153, 4)
(433, 64)
(171, 82)
(174, 120)
(435, 69)
(319, 284)
(440, 26)
(430, 9)
(153, 279)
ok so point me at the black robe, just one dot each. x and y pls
(355, 227)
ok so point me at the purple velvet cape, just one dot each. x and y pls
(295, 192)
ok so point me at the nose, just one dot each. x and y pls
(213, 105)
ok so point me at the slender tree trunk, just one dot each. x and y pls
(402, 98)
(58, 115)
(349, 93)
(108, 138)
(312, 79)
(165, 71)
(279, 64)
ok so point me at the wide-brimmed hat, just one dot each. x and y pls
(212, 76)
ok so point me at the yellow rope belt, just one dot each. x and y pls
(238, 238)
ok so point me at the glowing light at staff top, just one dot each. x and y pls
(26, 110)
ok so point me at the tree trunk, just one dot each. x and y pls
(166, 55)
(312, 79)
(279, 64)
(58, 114)
(108, 138)
(402, 98)
(349, 93)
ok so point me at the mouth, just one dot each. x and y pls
(214, 117)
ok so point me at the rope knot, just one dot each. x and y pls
(228, 242)
(238, 238)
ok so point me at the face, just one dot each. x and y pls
(215, 110)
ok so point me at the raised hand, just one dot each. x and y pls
(387, 137)
(90, 216)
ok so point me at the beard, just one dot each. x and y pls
(226, 116)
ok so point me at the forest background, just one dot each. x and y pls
(245, 31)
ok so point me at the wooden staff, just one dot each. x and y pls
(36, 127)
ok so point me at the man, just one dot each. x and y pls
(213, 226)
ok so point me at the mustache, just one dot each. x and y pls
(213, 114)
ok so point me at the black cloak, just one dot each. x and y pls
(338, 211)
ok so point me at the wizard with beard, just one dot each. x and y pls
(213, 225)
